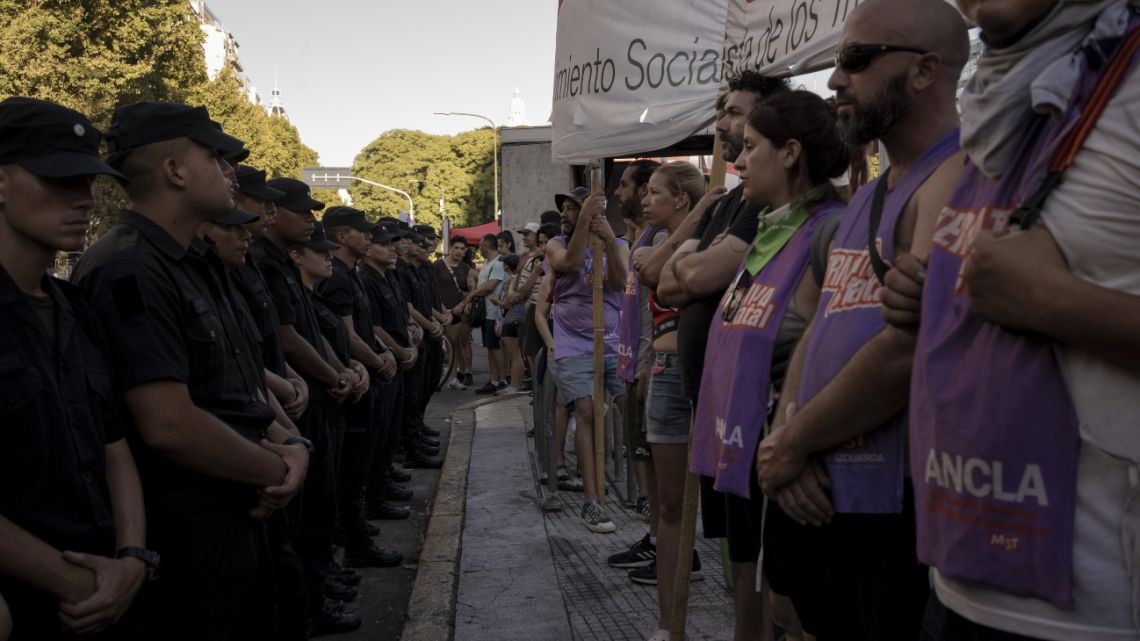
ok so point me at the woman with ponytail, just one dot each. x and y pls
(792, 149)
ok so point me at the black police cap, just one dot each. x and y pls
(427, 231)
(50, 140)
(319, 241)
(251, 182)
(397, 227)
(237, 216)
(145, 123)
(383, 232)
(344, 216)
(297, 196)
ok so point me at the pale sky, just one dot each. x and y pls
(349, 70)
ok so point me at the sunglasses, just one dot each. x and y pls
(856, 58)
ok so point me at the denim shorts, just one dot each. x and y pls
(667, 408)
(574, 377)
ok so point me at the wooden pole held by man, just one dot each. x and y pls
(692, 485)
(599, 281)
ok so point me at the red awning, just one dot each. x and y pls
(476, 233)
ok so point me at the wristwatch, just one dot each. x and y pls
(149, 557)
(301, 440)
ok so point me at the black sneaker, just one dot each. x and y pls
(638, 555)
(488, 388)
(397, 492)
(468, 379)
(648, 575)
(595, 519)
(332, 622)
(642, 511)
(373, 557)
(386, 511)
(333, 589)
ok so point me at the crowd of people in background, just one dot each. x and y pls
(911, 403)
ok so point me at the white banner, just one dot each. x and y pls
(782, 37)
(634, 75)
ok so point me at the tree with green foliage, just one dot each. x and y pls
(95, 55)
(455, 168)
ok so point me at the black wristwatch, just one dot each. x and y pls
(149, 557)
(301, 440)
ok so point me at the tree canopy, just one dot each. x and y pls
(95, 55)
(428, 167)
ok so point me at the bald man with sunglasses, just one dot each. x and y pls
(846, 395)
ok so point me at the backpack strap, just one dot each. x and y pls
(1070, 145)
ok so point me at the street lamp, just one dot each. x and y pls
(335, 178)
(495, 159)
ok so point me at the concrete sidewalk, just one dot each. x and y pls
(526, 574)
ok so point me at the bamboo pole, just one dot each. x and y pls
(599, 352)
(688, 536)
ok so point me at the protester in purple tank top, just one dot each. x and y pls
(570, 259)
(792, 148)
(898, 63)
(1026, 385)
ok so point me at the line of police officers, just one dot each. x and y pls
(187, 417)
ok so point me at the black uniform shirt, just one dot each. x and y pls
(57, 412)
(388, 303)
(344, 294)
(430, 288)
(251, 285)
(284, 281)
(332, 327)
(411, 287)
(169, 317)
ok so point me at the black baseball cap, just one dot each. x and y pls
(427, 231)
(398, 228)
(144, 123)
(50, 140)
(237, 216)
(319, 241)
(344, 216)
(297, 195)
(578, 195)
(383, 233)
(251, 182)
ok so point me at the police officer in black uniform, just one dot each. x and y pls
(212, 459)
(419, 448)
(438, 313)
(330, 382)
(71, 510)
(344, 293)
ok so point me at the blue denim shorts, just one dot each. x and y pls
(667, 408)
(574, 377)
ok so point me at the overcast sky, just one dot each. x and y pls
(349, 70)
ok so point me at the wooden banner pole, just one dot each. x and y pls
(599, 278)
(688, 536)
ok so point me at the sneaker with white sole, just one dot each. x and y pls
(648, 575)
(642, 508)
(456, 385)
(596, 520)
(638, 555)
(506, 391)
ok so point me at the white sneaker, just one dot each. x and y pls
(455, 384)
(506, 391)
